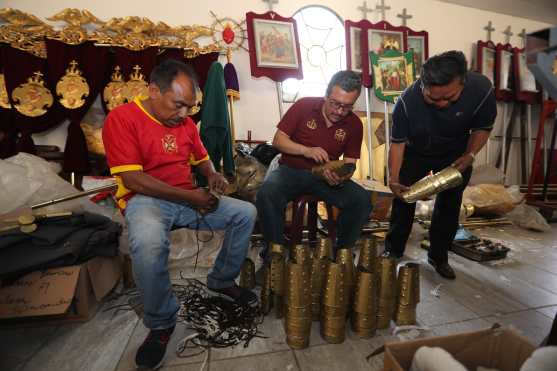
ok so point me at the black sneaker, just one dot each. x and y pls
(150, 354)
(238, 294)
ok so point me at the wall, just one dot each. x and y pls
(449, 26)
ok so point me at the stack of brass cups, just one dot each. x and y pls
(266, 293)
(278, 271)
(321, 257)
(364, 310)
(386, 270)
(368, 254)
(334, 309)
(345, 258)
(298, 308)
(408, 294)
(247, 274)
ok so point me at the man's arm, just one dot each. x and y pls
(477, 140)
(143, 183)
(216, 180)
(284, 144)
(396, 156)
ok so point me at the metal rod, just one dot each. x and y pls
(369, 128)
(232, 128)
(387, 143)
(278, 86)
(72, 196)
(529, 134)
(550, 160)
(504, 143)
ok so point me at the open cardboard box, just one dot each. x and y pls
(498, 348)
(59, 295)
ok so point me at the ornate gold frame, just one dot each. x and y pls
(27, 32)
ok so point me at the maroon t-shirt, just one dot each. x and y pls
(304, 124)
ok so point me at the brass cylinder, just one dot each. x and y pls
(298, 305)
(266, 295)
(364, 310)
(408, 284)
(333, 326)
(386, 269)
(324, 249)
(277, 274)
(447, 178)
(345, 258)
(318, 277)
(368, 254)
(334, 308)
(301, 254)
(277, 248)
(247, 274)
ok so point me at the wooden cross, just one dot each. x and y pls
(489, 30)
(404, 16)
(270, 3)
(522, 35)
(508, 34)
(382, 8)
(364, 9)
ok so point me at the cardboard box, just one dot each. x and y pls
(498, 348)
(59, 295)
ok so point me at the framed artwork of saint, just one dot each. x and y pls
(275, 44)
(417, 41)
(525, 88)
(504, 73)
(485, 59)
(393, 71)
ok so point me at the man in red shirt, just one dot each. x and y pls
(315, 131)
(151, 145)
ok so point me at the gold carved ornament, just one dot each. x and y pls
(72, 88)
(198, 101)
(32, 98)
(23, 31)
(113, 92)
(4, 99)
(74, 33)
(136, 86)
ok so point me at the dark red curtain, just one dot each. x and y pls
(18, 66)
(93, 62)
(8, 131)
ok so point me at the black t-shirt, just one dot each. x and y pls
(430, 131)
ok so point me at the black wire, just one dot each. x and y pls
(199, 217)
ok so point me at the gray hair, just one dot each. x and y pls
(346, 80)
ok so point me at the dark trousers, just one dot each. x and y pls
(285, 184)
(444, 221)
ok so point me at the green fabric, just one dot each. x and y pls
(215, 128)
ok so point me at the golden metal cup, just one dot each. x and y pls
(301, 254)
(365, 297)
(318, 278)
(324, 249)
(346, 259)
(368, 254)
(333, 293)
(247, 274)
(408, 286)
(298, 288)
(387, 291)
(447, 178)
(266, 295)
(278, 270)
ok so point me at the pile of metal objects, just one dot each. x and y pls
(306, 284)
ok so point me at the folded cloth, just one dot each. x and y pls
(435, 359)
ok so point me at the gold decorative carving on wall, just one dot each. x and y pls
(32, 98)
(74, 33)
(4, 99)
(136, 86)
(113, 92)
(27, 32)
(72, 88)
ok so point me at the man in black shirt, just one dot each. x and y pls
(443, 119)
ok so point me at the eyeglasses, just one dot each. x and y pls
(337, 105)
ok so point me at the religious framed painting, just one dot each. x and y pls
(485, 59)
(417, 41)
(504, 73)
(525, 88)
(355, 53)
(274, 47)
(393, 71)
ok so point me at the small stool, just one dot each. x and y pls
(297, 226)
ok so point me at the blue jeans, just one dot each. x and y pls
(149, 223)
(285, 184)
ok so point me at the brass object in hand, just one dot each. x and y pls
(447, 178)
(72, 88)
(339, 167)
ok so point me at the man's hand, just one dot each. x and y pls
(317, 154)
(217, 182)
(463, 162)
(397, 188)
(332, 178)
(201, 198)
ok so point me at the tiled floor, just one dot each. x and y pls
(521, 293)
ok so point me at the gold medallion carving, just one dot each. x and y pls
(72, 87)
(198, 101)
(136, 86)
(113, 92)
(32, 98)
(4, 99)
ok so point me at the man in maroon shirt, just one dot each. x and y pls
(315, 131)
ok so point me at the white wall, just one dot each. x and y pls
(449, 26)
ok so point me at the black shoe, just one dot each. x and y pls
(444, 269)
(238, 294)
(390, 254)
(150, 354)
